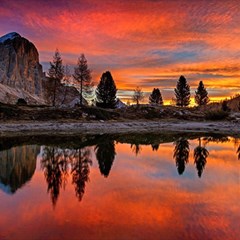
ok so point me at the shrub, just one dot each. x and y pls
(216, 115)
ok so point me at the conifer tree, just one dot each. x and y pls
(201, 97)
(82, 74)
(182, 92)
(156, 97)
(56, 73)
(106, 91)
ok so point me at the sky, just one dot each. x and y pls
(145, 43)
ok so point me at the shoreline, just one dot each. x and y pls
(113, 127)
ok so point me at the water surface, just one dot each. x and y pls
(120, 187)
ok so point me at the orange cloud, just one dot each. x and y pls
(147, 38)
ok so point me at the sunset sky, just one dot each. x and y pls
(146, 43)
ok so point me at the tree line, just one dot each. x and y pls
(106, 90)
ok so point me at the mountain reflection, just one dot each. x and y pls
(17, 166)
(105, 154)
(200, 158)
(181, 154)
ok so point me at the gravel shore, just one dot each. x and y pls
(111, 127)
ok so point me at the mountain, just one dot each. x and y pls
(19, 64)
(21, 75)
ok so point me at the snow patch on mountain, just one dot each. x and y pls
(10, 36)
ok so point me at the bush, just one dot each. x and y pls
(216, 115)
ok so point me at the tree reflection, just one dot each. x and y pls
(155, 146)
(80, 169)
(136, 148)
(105, 154)
(200, 158)
(238, 152)
(54, 166)
(181, 154)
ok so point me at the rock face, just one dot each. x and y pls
(19, 64)
(66, 96)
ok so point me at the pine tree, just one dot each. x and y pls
(56, 73)
(137, 95)
(156, 97)
(182, 92)
(106, 91)
(82, 74)
(201, 97)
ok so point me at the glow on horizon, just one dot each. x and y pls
(146, 43)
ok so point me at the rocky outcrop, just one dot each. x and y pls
(17, 166)
(19, 64)
(66, 96)
(21, 76)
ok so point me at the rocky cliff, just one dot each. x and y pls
(19, 64)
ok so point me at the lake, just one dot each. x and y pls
(155, 186)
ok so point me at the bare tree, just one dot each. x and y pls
(137, 95)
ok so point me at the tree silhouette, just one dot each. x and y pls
(181, 154)
(106, 91)
(105, 154)
(182, 92)
(80, 171)
(200, 158)
(201, 97)
(137, 95)
(56, 73)
(156, 97)
(82, 74)
(54, 165)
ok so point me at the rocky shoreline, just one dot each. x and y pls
(112, 127)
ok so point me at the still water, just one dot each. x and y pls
(120, 187)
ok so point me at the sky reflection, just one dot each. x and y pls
(141, 196)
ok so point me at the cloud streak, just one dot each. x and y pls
(199, 39)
